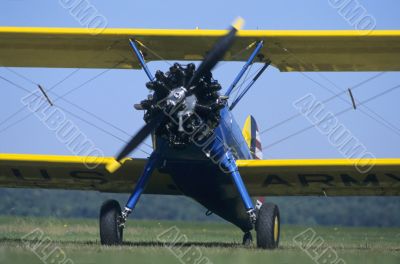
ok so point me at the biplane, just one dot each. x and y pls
(198, 148)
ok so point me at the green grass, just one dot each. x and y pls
(218, 242)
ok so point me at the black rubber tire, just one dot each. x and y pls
(110, 232)
(267, 218)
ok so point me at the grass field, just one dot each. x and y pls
(216, 242)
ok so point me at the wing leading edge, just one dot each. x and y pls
(289, 50)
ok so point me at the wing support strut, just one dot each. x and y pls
(140, 58)
(245, 67)
(250, 85)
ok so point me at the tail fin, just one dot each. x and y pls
(252, 136)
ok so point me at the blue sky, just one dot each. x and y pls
(112, 95)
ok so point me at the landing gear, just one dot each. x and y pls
(265, 217)
(111, 230)
(247, 239)
(268, 226)
(112, 219)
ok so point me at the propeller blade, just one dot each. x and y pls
(217, 53)
(135, 141)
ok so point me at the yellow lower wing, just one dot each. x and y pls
(77, 173)
(330, 177)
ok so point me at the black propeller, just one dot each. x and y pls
(216, 54)
(209, 62)
(140, 136)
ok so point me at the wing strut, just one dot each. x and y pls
(245, 67)
(250, 85)
(140, 58)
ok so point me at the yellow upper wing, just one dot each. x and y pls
(289, 50)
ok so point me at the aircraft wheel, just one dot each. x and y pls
(268, 226)
(110, 231)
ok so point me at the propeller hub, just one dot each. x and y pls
(179, 92)
(176, 96)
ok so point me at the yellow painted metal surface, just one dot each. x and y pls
(78, 173)
(324, 177)
(330, 177)
(289, 50)
(246, 131)
(276, 229)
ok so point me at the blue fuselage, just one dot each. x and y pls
(197, 172)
